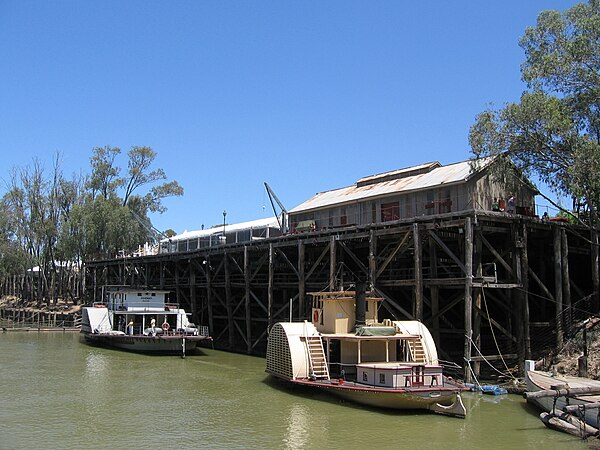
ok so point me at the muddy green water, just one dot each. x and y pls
(57, 392)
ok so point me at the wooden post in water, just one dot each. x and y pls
(565, 279)
(434, 292)
(270, 286)
(525, 297)
(208, 273)
(228, 301)
(372, 259)
(332, 263)
(418, 268)
(478, 244)
(468, 297)
(558, 297)
(192, 281)
(301, 281)
(595, 272)
(517, 297)
(247, 294)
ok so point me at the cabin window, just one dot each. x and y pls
(373, 213)
(382, 378)
(429, 204)
(390, 211)
(365, 376)
(343, 217)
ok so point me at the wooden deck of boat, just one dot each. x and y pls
(355, 385)
(547, 381)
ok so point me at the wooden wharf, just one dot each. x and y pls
(489, 285)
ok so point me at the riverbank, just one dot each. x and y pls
(17, 314)
(566, 361)
(6, 329)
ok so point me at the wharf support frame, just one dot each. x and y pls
(490, 286)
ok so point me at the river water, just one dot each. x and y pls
(57, 392)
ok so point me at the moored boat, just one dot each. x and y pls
(140, 321)
(564, 398)
(347, 352)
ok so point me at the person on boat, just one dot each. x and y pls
(153, 325)
(130, 328)
(122, 323)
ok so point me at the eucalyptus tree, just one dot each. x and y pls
(554, 130)
(13, 258)
(33, 202)
(47, 218)
(113, 215)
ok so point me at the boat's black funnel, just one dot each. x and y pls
(361, 303)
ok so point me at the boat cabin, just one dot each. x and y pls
(136, 312)
(335, 312)
(399, 375)
(136, 300)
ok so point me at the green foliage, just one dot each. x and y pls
(45, 219)
(554, 131)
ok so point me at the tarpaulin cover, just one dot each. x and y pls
(375, 331)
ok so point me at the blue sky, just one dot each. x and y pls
(308, 96)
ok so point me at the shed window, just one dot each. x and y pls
(390, 211)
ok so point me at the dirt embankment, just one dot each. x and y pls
(63, 306)
(566, 361)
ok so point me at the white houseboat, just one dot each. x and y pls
(141, 321)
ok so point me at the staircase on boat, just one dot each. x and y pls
(316, 358)
(417, 351)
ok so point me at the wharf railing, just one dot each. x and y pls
(23, 318)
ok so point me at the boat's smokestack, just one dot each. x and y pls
(361, 303)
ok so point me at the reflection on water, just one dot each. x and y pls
(95, 365)
(297, 427)
(59, 393)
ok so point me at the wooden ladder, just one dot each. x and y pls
(417, 351)
(316, 358)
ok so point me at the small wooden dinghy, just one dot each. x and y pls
(570, 404)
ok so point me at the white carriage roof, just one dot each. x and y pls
(414, 178)
(229, 228)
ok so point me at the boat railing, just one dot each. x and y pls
(203, 330)
(451, 368)
(140, 306)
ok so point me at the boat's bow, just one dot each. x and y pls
(456, 409)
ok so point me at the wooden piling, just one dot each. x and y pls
(468, 231)
(558, 292)
(418, 268)
(247, 294)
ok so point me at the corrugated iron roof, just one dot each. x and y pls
(398, 173)
(229, 228)
(437, 176)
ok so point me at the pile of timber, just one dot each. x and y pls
(571, 419)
